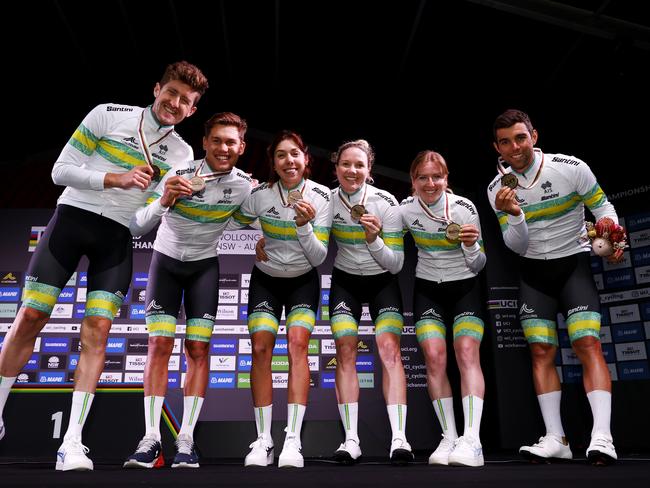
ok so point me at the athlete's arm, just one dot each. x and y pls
(313, 238)
(388, 250)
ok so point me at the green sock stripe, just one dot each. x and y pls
(442, 414)
(471, 409)
(260, 412)
(399, 417)
(295, 417)
(347, 416)
(196, 402)
(83, 408)
(152, 405)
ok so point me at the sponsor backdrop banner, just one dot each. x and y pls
(511, 413)
(228, 397)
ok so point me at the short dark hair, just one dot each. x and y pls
(228, 119)
(188, 74)
(509, 118)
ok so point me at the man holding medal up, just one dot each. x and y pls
(540, 204)
(107, 169)
(195, 202)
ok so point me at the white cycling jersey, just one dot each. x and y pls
(438, 258)
(292, 251)
(191, 228)
(355, 255)
(107, 141)
(552, 222)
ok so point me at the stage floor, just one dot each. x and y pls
(500, 471)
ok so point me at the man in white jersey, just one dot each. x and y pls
(107, 167)
(195, 202)
(540, 202)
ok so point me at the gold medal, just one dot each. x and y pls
(357, 211)
(294, 196)
(452, 232)
(510, 180)
(156, 172)
(197, 183)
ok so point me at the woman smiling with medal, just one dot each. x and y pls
(294, 213)
(446, 230)
(368, 230)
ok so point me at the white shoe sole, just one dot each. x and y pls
(270, 457)
(469, 462)
(74, 467)
(438, 461)
(291, 463)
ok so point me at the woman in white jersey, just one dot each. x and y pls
(294, 213)
(447, 233)
(367, 227)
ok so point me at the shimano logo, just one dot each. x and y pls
(548, 197)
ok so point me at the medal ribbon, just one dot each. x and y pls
(445, 220)
(502, 170)
(348, 204)
(144, 145)
(285, 202)
(209, 176)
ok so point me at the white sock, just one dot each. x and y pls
(601, 409)
(191, 410)
(295, 414)
(397, 416)
(549, 404)
(472, 410)
(444, 408)
(349, 416)
(152, 412)
(6, 382)
(263, 417)
(81, 403)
